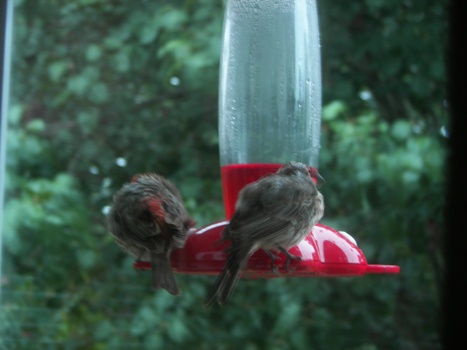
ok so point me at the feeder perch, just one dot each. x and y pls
(324, 253)
(270, 114)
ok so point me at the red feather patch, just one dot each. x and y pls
(155, 207)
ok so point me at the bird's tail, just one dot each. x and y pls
(225, 284)
(162, 275)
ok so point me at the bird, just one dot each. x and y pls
(275, 212)
(147, 218)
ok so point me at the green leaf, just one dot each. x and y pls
(104, 330)
(401, 129)
(333, 110)
(56, 70)
(113, 42)
(93, 53)
(88, 121)
(77, 85)
(15, 114)
(149, 32)
(36, 125)
(121, 61)
(99, 93)
(171, 18)
(87, 258)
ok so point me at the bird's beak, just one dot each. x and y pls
(320, 181)
(317, 178)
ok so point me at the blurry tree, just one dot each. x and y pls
(105, 89)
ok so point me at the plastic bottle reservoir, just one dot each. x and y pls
(270, 90)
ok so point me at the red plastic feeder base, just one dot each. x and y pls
(325, 252)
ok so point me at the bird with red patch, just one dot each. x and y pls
(275, 212)
(148, 219)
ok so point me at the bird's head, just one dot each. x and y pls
(297, 168)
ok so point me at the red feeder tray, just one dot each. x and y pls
(325, 252)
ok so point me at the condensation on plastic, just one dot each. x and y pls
(270, 82)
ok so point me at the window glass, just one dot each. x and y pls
(102, 90)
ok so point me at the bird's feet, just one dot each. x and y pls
(289, 257)
(273, 257)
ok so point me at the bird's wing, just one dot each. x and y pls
(175, 217)
(295, 197)
(264, 217)
(141, 234)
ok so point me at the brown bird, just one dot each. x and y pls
(274, 213)
(148, 218)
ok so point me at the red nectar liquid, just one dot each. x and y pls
(236, 176)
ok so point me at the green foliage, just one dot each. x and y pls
(393, 50)
(390, 184)
(106, 89)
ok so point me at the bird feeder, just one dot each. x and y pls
(269, 114)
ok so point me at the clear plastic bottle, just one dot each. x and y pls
(270, 90)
